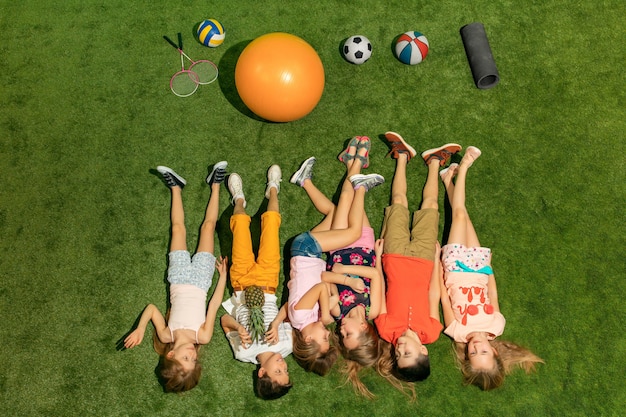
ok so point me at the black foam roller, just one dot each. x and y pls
(479, 55)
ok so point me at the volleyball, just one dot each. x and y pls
(411, 47)
(211, 33)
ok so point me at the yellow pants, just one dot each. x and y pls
(263, 271)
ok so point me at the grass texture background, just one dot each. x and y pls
(86, 113)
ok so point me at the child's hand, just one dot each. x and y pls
(271, 336)
(134, 338)
(378, 247)
(222, 266)
(246, 340)
(356, 284)
(333, 300)
(338, 268)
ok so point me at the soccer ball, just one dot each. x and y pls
(357, 49)
(411, 47)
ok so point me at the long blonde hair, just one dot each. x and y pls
(364, 356)
(510, 356)
(172, 376)
(310, 358)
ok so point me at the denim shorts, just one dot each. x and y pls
(305, 245)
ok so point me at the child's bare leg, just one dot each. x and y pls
(366, 220)
(239, 207)
(206, 242)
(353, 167)
(430, 194)
(338, 238)
(177, 215)
(462, 230)
(272, 204)
(398, 185)
(321, 203)
(274, 177)
(447, 175)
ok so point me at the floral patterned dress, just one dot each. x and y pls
(348, 299)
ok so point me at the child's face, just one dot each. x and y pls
(276, 368)
(351, 329)
(409, 347)
(317, 332)
(480, 352)
(186, 354)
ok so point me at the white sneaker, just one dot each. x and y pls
(368, 181)
(235, 186)
(274, 177)
(305, 172)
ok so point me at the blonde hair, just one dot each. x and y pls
(172, 376)
(364, 356)
(309, 357)
(508, 358)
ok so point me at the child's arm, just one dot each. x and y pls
(492, 290)
(333, 300)
(324, 301)
(271, 336)
(150, 313)
(434, 291)
(205, 333)
(378, 247)
(334, 277)
(446, 307)
(229, 324)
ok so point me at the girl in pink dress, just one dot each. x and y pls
(470, 303)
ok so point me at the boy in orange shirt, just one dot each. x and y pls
(409, 317)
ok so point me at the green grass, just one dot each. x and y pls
(86, 113)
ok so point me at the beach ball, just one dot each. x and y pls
(211, 33)
(279, 77)
(411, 47)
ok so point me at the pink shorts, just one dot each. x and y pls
(366, 240)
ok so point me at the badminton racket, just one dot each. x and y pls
(205, 70)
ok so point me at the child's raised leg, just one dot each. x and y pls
(206, 242)
(462, 231)
(176, 183)
(356, 158)
(430, 193)
(338, 238)
(304, 178)
(399, 185)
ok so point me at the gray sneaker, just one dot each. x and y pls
(235, 186)
(368, 181)
(304, 173)
(274, 177)
(218, 173)
(171, 178)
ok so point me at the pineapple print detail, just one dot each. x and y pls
(254, 299)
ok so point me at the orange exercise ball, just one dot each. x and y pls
(279, 77)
